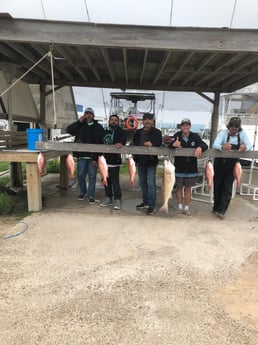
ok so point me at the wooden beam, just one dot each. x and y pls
(104, 52)
(137, 36)
(161, 67)
(141, 150)
(85, 55)
(144, 65)
(205, 61)
(180, 68)
(66, 56)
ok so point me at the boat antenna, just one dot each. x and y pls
(43, 9)
(233, 14)
(87, 11)
(104, 104)
(171, 13)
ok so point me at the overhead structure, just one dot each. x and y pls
(131, 56)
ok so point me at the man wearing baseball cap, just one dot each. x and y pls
(148, 136)
(88, 131)
(186, 167)
(230, 139)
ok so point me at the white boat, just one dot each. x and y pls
(245, 106)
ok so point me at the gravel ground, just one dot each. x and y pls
(82, 274)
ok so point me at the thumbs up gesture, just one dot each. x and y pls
(177, 143)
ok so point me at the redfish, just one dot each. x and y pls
(168, 184)
(132, 170)
(103, 169)
(41, 163)
(237, 172)
(209, 173)
(70, 165)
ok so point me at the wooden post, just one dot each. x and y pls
(34, 192)
(215, 118)
(64, 179)
(17, 174)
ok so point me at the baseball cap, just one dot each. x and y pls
(89, 110)
(234, 122)
(185, 121)
(147, 116)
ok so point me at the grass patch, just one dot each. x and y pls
(6, 204)
(4, 166)
(4, 180)
(53, 166)
(13, 204)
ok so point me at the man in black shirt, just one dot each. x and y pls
(147, 164)
(88, 131)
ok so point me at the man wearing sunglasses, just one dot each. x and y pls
(232, 138)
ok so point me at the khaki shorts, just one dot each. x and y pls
(186, 181)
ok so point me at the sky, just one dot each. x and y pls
(195, 13)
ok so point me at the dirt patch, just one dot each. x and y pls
(240, 298)
(83, 274)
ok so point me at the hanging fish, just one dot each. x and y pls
(70, 165)
(168, 184)
(132, 170)
(103, 169)
(209, 173)
(237, 172)
(41, 163)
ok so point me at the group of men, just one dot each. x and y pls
(88, 130)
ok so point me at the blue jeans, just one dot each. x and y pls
(147, 180)
(84, 168)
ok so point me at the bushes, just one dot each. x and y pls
(53, 166)
(6, 204)
(13, 204)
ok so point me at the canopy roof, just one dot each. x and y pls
(130, 56)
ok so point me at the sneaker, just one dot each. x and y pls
(142, 206)
(150, 210)
(91, 200)
(179, 211)
(117, 205)
(220, 215)
(106, 202)
(187, 212)
(81, 197)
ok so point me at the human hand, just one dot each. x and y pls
(82, 118)
(198, 152)
(94, 163)
(148, 143)
(227, 147)
(177, 143)
(117, 145)
(242, 147)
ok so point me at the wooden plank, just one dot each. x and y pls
(123, 36)
(34, 192)
(160, 151)
(28, 155)
(18, 156)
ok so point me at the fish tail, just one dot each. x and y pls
(163, 208)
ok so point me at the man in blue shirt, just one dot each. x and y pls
(232, 138)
